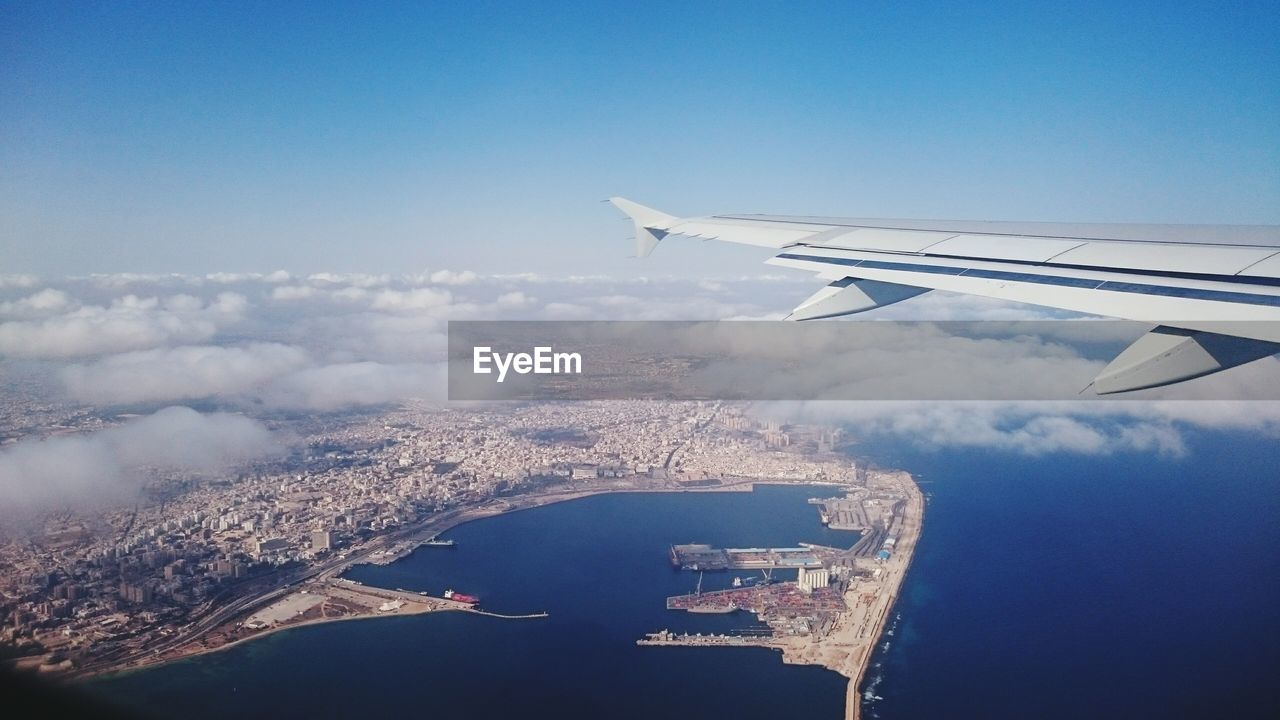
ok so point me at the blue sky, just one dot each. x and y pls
(382, 138)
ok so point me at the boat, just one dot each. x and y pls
(459, 597)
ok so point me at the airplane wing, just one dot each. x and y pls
(1212, 291)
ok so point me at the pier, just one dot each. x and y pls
(811, 621)
(668, 638)
(527, 616)
(705, 557)
(776, 600)
(846, 513)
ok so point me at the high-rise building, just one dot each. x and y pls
(263, 546)
(321, 540)
(139, 592)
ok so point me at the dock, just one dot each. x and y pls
(846, 513)
(668, 638)
(778, 600)
(698, 557)
(836, 625)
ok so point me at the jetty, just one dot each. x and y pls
(834, 614)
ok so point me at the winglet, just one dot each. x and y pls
(651, 225)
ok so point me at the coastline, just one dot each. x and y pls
(190, 647)
(848, 647)
(436, 605)
(847, 651)
(853, 709)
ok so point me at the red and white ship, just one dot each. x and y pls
(459, 597)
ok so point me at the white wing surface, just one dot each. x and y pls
(1212, 291)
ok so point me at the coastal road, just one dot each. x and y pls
(325, 571)
(322, 571)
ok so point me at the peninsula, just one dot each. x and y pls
(836, 611)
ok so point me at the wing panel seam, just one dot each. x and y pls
(1246, 267)
(1029, 278)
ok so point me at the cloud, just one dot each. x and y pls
(352, 294)
(381, 337)
(409, 300)
(180, 373)
(1039, 428)
(78, 471)
(128, 323)
(450, 277)
(353, 279)
(567, 311)
(334, 340)
(19, 281)
(49, 301)
(293, 292)
(516, 299)
(227, 278)
(116, 280)
(331, 387)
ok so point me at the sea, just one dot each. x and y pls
(1062, 586)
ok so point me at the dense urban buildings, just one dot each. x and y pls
(85, 591)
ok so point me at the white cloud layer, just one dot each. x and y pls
(328, 341)
(336, 386)
(1039, 428)
(18, 281)
(127, 323)
(167, 374)
(409, 300)
(77, 471)
(48, 301)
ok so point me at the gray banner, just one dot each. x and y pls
(827, 360)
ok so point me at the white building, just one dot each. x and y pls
(810, 580)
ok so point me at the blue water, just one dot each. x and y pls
(1111, 587)
(598, 565)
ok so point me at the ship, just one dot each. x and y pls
(459, 597)
(435, 541)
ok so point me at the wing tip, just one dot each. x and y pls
(650, 224)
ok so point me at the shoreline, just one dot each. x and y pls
(414, 536)
(261, 634)
(847, 649)
(272, 631)
(854, 665)
(853, 710)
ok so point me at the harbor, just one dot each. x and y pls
(402, 549)
(698, 557)
(835, 610)
(335, 600)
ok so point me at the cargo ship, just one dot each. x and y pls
(459, 597)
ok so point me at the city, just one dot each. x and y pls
(140, 584)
